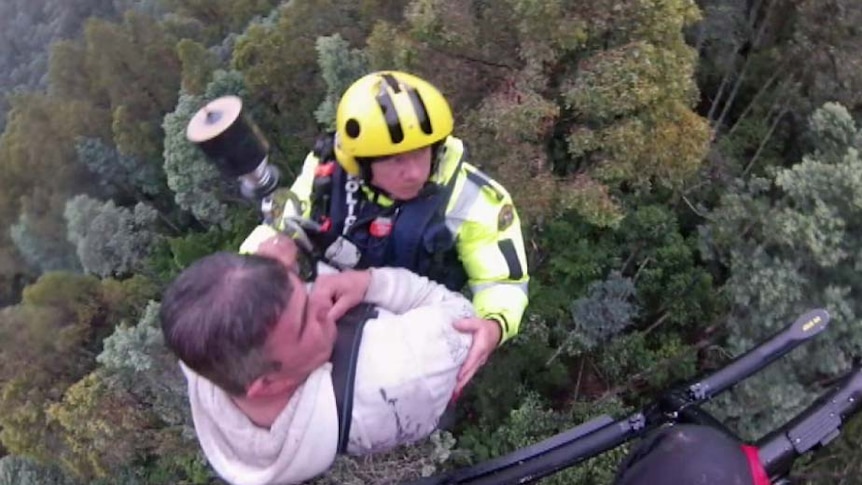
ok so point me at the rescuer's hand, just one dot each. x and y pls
(486, 336)
(337, 293)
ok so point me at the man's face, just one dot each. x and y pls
(402, 175)
(300, 341)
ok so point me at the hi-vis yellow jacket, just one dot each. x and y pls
(485, 227)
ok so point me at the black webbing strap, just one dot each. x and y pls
(344, 357)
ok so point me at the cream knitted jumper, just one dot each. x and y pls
(408, 361)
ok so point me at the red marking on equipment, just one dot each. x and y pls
(380, 227)
(758, 473)
(324, 169)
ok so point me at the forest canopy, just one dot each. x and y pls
(686, 173)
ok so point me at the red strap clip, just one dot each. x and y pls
(380, 227)
(324, 169)
(326, 225)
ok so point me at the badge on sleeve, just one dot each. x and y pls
(505, 218)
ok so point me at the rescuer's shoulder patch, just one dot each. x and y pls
(505, 218)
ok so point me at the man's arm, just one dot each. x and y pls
(396, 290)
(399, 290)
(491, 247)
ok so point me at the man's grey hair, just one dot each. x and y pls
(217, 314)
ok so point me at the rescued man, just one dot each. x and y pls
(257, 360)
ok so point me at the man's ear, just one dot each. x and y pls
(260, 387)
(267, 385)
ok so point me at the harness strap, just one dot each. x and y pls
(321, 186)
(344, 357)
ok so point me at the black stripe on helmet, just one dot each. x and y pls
(396, 133)
(421, 112)
(392, 82)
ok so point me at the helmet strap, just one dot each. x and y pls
(436, 155)
(365, 173)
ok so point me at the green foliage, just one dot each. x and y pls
(664, 149)
(35, 237)
(221, 18)
(605, 312)
(340, 66)
(44, 349)
(648, 247)
(198, 65)
(47, 343)
(277, 61)
(527, 360)
(176, 253)
(133, 136)
(19, 470)
(103, 428)
(583, 110)
(120, 173)
(138, 357)
(138, 367)
(833, 130)
(25, 428)
(27, 28)
(110, 240)
(132, 348)
(575, 256)
(442, 23)
(186, 469)
(622, 309)
(613, 81)
(136, 65)
(765, 67)
(637, 361)
(791, 244)
(389, 48)
(75, 296)
(532, 421)
(402, 464)
(68, 75)
(30, 167)
(627, 80)
(36, 176)
(280, 65)
(507, 127)
(526, 424)
(150, 77)
(828, 52)
(593, 201)
(224, 83)
(127, 299)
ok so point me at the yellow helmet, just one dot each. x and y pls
(388, 112)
